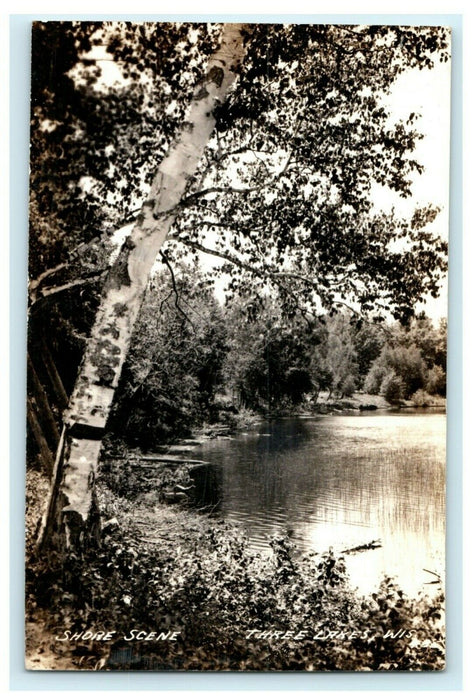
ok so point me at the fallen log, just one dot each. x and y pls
(375, 544)
(168, 460)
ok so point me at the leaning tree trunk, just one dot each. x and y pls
(72, 512)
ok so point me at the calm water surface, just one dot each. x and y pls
(341, 481)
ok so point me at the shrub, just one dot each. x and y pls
(373, 380)
(392, 387)
(422, 398)
(436, 381)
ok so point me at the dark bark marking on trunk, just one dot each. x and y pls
(111, 330)
(84, 431)
(119, 276)
(202, 93)
(216, 75)
(105, 357)
(120, 310)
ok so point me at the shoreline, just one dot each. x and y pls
(355, 405)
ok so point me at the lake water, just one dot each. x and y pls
(341, 481)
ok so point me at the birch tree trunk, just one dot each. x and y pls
(90, 402)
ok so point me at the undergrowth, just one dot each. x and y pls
(205, 584)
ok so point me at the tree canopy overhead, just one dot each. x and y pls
(283, 191)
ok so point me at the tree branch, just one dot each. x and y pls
(241, 190)
(176, 291)
(52, 291)
(34, 284)
(273, 274)
(220, 254)
(268, 274)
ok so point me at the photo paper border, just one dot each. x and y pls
(451, 678)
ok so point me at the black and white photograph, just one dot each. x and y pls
(237, 346)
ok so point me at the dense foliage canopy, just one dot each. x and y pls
(283, 192)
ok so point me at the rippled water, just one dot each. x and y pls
(341, 481)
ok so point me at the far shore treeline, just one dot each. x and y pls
(195, 361)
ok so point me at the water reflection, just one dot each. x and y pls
(341, 481)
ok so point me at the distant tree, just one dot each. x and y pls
(421, 332)
(392, 387)
(368, 341)
(403, 362)
(341, 356)
(441, 345)
(374, 378)
(435, 382)
(416, 353)
(269, 364)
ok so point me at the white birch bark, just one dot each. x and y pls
(106, 350)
